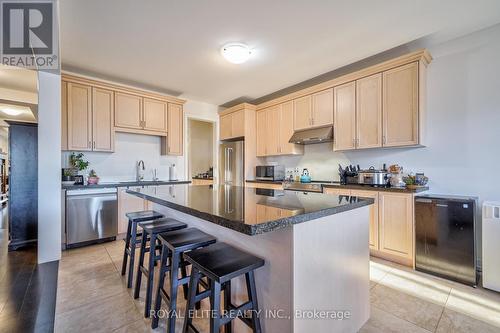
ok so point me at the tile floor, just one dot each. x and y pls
(92, 297)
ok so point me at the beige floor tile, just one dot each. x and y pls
(384, 322)
(478, 303)
(413, 309)
(378, 271)
(139, 326)
(421, 286)
(76, 273)
(71, 296)
(454, 322)
(103, 315)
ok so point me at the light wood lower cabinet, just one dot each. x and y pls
(269, 213)
(272, 186)
(202, 181)
(128, 203)
(374, 215)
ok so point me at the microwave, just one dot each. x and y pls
(270, 172)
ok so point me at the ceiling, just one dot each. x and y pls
(173, 46)
(16, 78)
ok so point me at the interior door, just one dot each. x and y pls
(79, 117)
(344, 122)
(102, 119)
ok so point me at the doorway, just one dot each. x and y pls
(201, 151)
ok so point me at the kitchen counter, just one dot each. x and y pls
(203, 178)
(315, 247)
(231, 206)
(124, 184)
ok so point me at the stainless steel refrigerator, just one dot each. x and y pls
(231, 163)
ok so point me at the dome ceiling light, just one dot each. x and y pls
(236, 53)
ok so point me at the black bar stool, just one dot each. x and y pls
(174, 244)
(151, 230)
(132, 240)
(220, 263)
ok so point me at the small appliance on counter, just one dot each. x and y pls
(271, 173)
(305, 177)
(373, 177)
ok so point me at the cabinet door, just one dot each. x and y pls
(302, 112)
(286, 131)
(128, 111)
(175, 129)
(225, 126)
(322, 108)
(64, 115)
(273, 130)
(344, 122)
(102, 119)
(396, 224)
(369, 112)
(155, 115)
(400, 106)
(261, 130)
(337, 191)
(238, 124)
(79, 117)
(373, 215)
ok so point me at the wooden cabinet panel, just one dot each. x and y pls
(396, 224)
(155, 115)
(400, 106)
(128, 203)
(337, 191)
(175, 129)
(302, 113)
(225, 127)
(128, 111)
(202, 182)
(273, 130)
(261, 131)
(374, 228)
(238, 124)
(64, 115)
(286, 131)
(79, 117)
(344, 117)
(271, 186)
(322, 108)
(102, 119)
(369, 112)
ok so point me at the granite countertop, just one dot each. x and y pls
(125, 184)
(336, 184)
(237, 207)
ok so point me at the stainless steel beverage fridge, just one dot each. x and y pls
(231, 163)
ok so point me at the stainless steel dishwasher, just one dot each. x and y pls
(91, 216)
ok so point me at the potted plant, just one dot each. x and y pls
(93, 178)
(77, 162)
(67, 177)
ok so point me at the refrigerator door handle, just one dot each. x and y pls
(230, 163)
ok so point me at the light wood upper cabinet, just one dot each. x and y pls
(345, 117)
(369, 112)
(374, 212)
(286, 131)
(396, 224)
(322, 108)
(79, 117)
(128, 111)
(175, 129)
(102, 120)
(400, 106)
(155, 115)
(232, 125)
(261, 132)
(273, 130)
(302, 113)
(225, 125)
(64, 115)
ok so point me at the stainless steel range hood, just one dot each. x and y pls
(314, 135)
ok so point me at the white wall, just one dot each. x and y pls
(463, 124)
(130, 148)
(49, 162)
(200, 146)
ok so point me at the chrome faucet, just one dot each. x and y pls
(140, 171)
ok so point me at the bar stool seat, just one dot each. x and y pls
(151, 229)
(220, 263)
(133, 238)
(174, 244)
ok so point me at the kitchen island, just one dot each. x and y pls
(316, 276)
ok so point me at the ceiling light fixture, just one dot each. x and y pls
(12, 112)
(236, 53)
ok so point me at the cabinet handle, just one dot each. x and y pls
(93, 145)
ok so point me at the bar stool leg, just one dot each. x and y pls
(174, 284)
(227, 303)
(138, 277)
(190, 306)
(151, 270)
(133, 242)
(127, 244)
(252, 295)
(184, 286)
(161, 282)
(214, 306)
